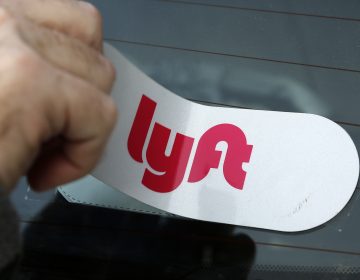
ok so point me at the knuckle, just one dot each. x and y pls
(111, 113)
(111, 74)
(94, 13)
(95, 23)
(105, 74)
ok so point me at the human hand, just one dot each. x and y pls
(55, 115)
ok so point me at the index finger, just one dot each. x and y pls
(78, 19)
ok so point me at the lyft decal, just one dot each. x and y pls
(172, 167)
(264, 169)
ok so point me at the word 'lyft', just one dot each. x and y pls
(171, 168)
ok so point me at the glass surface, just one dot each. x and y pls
(285, 55)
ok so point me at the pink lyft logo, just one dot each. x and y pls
(171, 169)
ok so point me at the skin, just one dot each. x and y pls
(56, 115)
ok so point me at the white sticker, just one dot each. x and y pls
(263, 169)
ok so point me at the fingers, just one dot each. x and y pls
(90, 118)
(69, 54)
(59, 50)
(75, 18)
(52, 89)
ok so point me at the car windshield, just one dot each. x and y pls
(281, 55)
